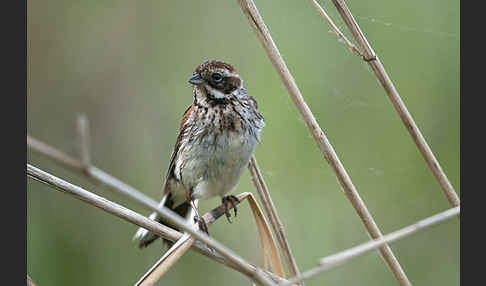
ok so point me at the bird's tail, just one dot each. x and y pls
(145, 237)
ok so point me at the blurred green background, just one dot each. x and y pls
(125, 64)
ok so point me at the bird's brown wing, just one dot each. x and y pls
(182, 130)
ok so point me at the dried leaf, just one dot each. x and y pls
(271, 256)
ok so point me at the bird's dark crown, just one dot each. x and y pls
(213, 66)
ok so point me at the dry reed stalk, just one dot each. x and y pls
(271, 211)
(91, 172)
(336, 30)
(256, 21)
(340, 258)
(54, 154)
(169, 258)
(244, 267)
(270, 253)
(391, 91)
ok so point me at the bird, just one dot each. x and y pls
(218, 134)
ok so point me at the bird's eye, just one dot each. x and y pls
(217, 76)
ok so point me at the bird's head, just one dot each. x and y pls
(217, 79)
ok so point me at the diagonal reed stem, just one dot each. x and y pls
(256, 21)
(170, 257)
(336, 30)
(166, 261)
(91, 172)
(241, 265)
(391, 91)
(275, 222)
(340, 258)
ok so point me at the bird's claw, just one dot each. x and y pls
(228, 202)
(203, 226)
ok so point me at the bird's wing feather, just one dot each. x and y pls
(171, 175)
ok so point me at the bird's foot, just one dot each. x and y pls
(228, 202)
(203, 226)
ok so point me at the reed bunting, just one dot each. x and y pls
(217, 136)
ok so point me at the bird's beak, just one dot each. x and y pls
(196, 79)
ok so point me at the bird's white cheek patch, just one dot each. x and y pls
(214, 92)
